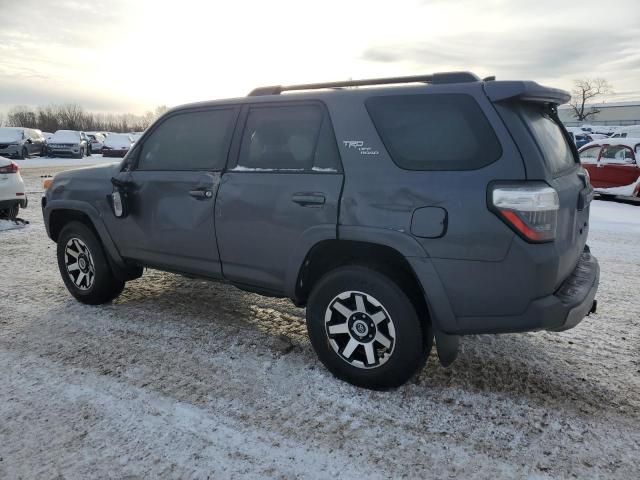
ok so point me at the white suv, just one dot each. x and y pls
(12, 194)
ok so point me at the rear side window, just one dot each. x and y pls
(189, 141)
(289, 138)
(434, 131)
(549, 137)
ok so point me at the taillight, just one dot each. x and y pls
(11, 168)
(530, 208)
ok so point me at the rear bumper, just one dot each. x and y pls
(563, 309)
(578, 292)
(114, 153)
(22, 201)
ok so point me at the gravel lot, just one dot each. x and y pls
(189, 379)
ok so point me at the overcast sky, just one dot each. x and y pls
(132, 55)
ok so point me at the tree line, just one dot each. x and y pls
(73, 117)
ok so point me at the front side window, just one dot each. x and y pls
(434, 132)
(617, 154)
(590, 155)
(287, 138)
(189, 141)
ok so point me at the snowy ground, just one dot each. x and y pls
(54, 162)
(182, 378)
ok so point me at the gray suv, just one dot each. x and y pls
(417, 208)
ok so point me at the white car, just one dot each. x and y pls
(12, 194)
(96, 141)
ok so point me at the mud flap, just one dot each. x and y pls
(447, 346)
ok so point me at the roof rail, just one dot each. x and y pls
(442, 77)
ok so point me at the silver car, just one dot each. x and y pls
(69, 142)
(20, 142)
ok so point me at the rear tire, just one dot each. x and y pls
(365, 329)
(84, 267)
(10, 213)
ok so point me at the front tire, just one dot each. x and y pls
(365, 329)
(24, 153)
(84, 267)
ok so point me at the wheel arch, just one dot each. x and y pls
(57, 214)
(327, 255)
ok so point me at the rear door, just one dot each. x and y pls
(617, 166)
(173, 183)
(559, 167)
(283, 188)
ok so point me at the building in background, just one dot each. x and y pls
(613, 113)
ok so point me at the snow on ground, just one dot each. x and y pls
(54, 162)
(183, 378)
(9, 224)
(624, 191)
(612, 216)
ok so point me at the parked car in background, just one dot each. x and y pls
(47, 136)
(136, 136)
(12, 192)
(96, 141)
(624, 132)
(19, 142)
(117, 145)
(582, 139)
(613, 166)
(68, 142)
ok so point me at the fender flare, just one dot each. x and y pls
(94, 216)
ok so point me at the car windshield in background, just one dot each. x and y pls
(10, 135)
(117, 141)
(65, 136)
(549, 136)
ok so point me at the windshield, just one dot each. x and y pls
(66, 136)
(549, 137)
(118, 140)
(10, 135)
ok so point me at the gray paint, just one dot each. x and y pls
(257, 227)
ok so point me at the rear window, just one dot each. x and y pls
(434, 131)
(549, 137)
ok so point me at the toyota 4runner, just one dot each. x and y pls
(411, 209)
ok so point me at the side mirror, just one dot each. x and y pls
(29, 140)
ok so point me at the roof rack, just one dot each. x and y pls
(442, 77)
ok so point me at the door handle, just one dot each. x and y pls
(308, 199)
(201, 194)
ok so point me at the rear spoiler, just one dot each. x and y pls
(525, 91)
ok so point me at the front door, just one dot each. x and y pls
(617, 166)
(173, 183)
(283, 189)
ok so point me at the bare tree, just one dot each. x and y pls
(586, 90)
(21, 116)
(73, 117)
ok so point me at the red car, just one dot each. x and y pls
(613, 166)
(117, 145)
